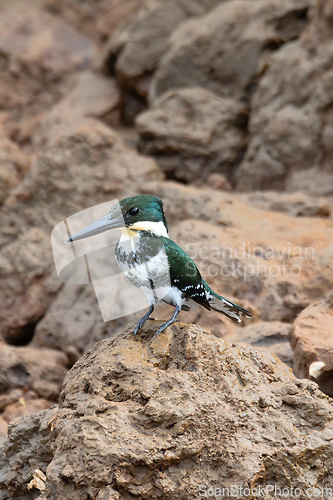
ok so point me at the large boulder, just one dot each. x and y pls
(222, 50)
(95, 20)
(137, 45)
(290, 125)
(89, 96)
(27, 450)
(192, 132)
(13, 165)
(312, 342)
(38, 52)
(271, 337)
(24, 369)
(170, 416)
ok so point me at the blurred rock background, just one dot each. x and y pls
(224, 109)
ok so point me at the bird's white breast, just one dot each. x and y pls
(152, 277)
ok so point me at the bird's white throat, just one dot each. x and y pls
(155, 228)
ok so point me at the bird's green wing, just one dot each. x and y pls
(184, 274)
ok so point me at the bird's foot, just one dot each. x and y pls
(144, 319)
(165, 325)
(140, 324)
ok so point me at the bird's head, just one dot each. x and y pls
(136, 213)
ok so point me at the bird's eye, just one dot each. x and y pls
(134, 211)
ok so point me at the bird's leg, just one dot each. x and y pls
(143, 319)
(171, 321)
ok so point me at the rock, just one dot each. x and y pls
(26, 450)
(192, 133)
(39, 40)
(10, 397)
(13, 165)
(311, 340)
(91, 96)
(296, 204)
(266, 336)
(290, 123)
(73, 323)
(137, 413)
(24, 408)
(218, 181)
(39, 51)
(27, 368)
(50, 193)
(223, 50)
(136, 47)
(313, 181)
(3, 427)
(97, 20)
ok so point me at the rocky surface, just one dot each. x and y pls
(134, 50)
(222, 51)
(26, 450)
(185, 129)
(291, 125)
(26, 368)
(271, 336)
(13, 165)
(156, 416)
(312, 342)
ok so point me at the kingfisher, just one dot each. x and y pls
(154, 263)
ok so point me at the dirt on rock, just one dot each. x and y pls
(163, 415)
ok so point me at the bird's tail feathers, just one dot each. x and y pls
(220, 304)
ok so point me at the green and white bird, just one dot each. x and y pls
(154, 263)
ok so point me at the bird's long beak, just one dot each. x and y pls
(100, 226)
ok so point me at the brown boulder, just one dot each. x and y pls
(90, 96)
(156, 416)
(26, 449)
(136, 47)
(291, 119)
(73, 322)
(193, 132)
(95, 20)
(13, 165)
(10, 397)
(29, 369)
(312, 342)
(38, 51)
(39, 40)
(222, 50)
(266, 336)
(24, 408)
